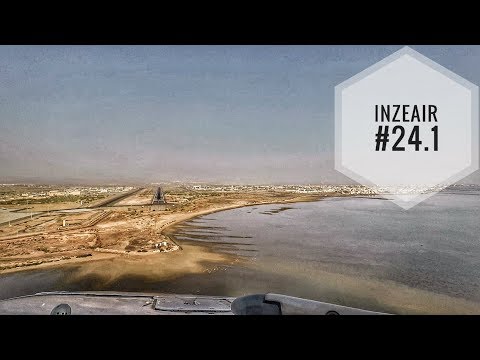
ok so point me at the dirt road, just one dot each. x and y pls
(89, 234)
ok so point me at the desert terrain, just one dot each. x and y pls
(91, 225)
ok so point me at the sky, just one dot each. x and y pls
(222, 114)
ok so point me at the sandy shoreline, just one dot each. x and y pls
(165, 225)
(191, 216)
(196, 262)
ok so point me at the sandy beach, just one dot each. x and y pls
(130, 230)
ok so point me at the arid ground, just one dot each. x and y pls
(40, 235)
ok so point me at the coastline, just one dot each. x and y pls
(168, 222)
(190, 216)
(193, 267)
(408, 298)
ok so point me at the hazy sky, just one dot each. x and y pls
(237, 114)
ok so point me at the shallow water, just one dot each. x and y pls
(435, 246)
(353, 251)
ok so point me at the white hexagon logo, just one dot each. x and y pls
(406, 126)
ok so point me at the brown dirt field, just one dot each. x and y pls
(115, 231)
(143, 197)
(45, 207)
